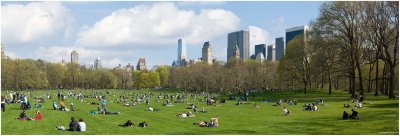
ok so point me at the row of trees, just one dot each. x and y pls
(22, 74)
(234, 76)
(346, 43)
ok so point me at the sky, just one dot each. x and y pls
(123, 32)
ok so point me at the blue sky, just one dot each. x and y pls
(122, 32)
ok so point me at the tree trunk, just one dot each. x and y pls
(369, 77)
(391, 82)
(360, 80)
(330, 82)
(376, 75)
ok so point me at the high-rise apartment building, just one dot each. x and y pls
(260, 48)
(291, 33)
(181, 51)
(207, 53)
(271, 52)
(241, 39)
(279, 48)
(97, 63)
(74, 57)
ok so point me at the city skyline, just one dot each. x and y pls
(84, 26)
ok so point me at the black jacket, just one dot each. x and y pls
(73, 125)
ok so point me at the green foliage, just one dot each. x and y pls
(163, 72)
(154, 79)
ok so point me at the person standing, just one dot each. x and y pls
(3, 104)
(104, 102)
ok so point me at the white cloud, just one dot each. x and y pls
(279, 25)
(259, 36)
(35, 21)
(156, 25)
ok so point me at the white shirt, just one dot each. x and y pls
(82, 125)
(285, 111)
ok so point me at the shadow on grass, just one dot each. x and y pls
(386, 105)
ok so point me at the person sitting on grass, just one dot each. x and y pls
(286, 112)
(345, 115)
(62, 106)
(354, 114)
(73, 125)
(143, 124)
(98, 107)
(320, 101)
(255, 106)
(55, 106)
(307, 106)
(211, 124)
(38, 116)
(346, 106)
(203, 110)
(23, 116)
(38, 106)
(72, 106)
(314, 107)
(81, 125)
(357, 104)
(149, 108)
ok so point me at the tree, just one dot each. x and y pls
(381, 23)
(73, 73)
(55, 75)
(154, 79)
(342, 20)
(163, 71)
(296, 62)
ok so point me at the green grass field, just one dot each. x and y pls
(380, 116)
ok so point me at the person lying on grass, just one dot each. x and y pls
(128, 123)
(143, 124)
(255, 106)
(201, 124)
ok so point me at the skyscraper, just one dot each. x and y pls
(207, 53)
(260, 48)
(181, 50)
(291, 33)
(97, 63)
(74, 57)
(271, 52)
(279, 48)
(240, 39)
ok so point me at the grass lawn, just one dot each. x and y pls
(379, 116)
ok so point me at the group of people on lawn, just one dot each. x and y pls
(81, 126)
